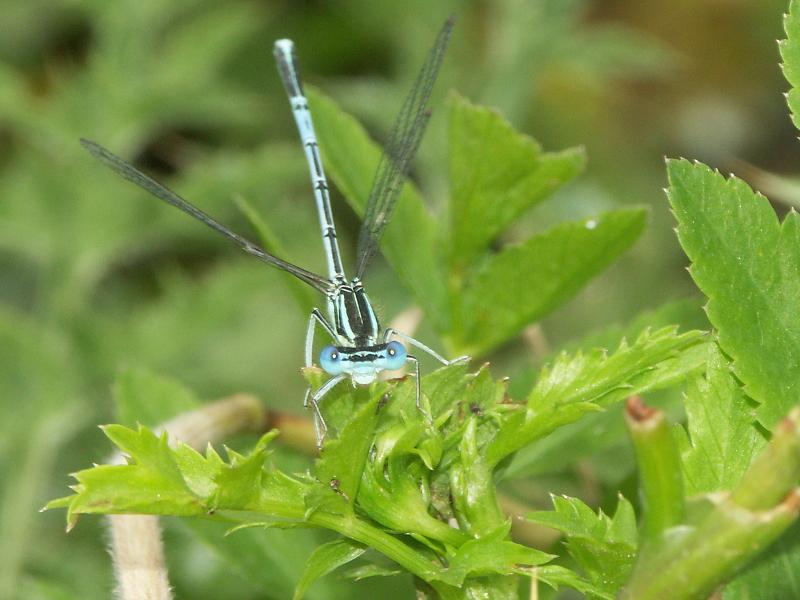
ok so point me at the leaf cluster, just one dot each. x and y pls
(388, 480)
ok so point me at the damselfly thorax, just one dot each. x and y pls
(357, 351)
(352, 315)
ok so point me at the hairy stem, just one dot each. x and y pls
(136, 547)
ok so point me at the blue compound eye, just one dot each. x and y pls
(331, 360)
(395, 355)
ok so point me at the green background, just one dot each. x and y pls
(95, 277)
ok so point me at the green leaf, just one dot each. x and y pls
(603, 547)
(748, 265)
(393, 494)
(490, 555)
(325, 559)
(371, 570)
(597, 432)
(496, 174)
(472, 487)
(165, 481)
(576, 384)
(351, 159)
(790, 53)
(151, 483)
(146, 398)
(722, 437)
(446, 387)
(523, 283)
(556, 576)
(653, 360)
(343, 458)
(245, 490)
(238, 483)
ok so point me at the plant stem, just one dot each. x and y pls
(356, 529)
(389, 546)
(660, 476)
(707, 556)
(691, 559)
(384, 543)
(775, 471)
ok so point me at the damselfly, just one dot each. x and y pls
(361, 349)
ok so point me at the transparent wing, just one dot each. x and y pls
(404, 140)
(131, 173)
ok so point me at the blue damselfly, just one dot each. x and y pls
(361, 349)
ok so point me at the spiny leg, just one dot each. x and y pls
(420, 408)
(320, 428)
(416, 343)
(316, 315)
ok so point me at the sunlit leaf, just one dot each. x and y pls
(599, 431)
(586, 381)
(325, 559)
(722, 437)
(523, 283)
(748, 264)
(604, 547)
(790, 53)
(492, 554)
(496, 174)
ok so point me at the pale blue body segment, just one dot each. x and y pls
(361, 350)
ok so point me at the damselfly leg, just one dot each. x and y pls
(316, 317)
(320, 427)
(417, 344)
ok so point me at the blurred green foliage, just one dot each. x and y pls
(95, 278)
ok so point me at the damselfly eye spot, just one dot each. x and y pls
(331, 360)
(395, 355)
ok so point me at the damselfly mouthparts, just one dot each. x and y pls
(361, 349)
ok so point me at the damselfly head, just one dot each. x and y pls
(363, 364)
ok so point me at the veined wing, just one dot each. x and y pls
(404, 139)
(131, 173)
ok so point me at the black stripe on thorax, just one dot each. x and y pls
(361, 357)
